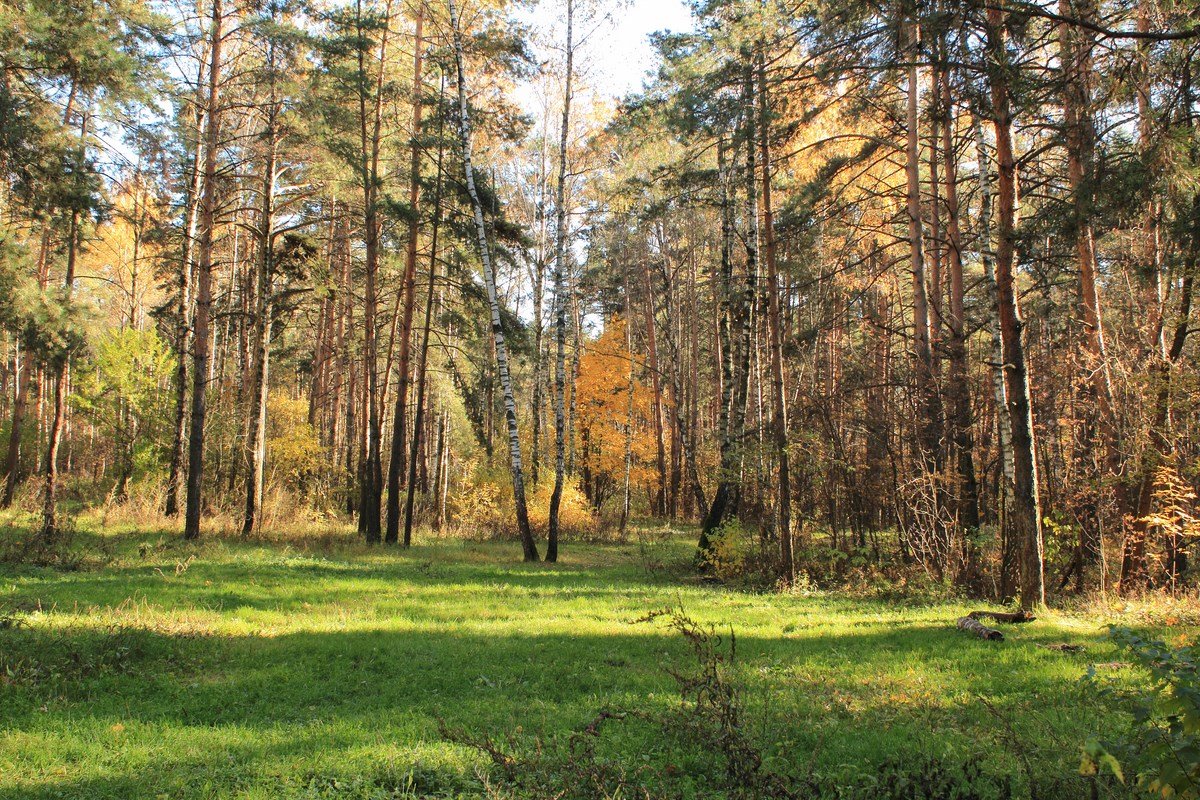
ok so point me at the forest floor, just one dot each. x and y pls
(321, 670)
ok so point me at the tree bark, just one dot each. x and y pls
(929, 429)
(560, 295)
(660, 498)
(779, 418)
(201, 333)
(959, 386)
(419, 417)
(61, 365)
(735, 364)
(1134, 572)
(501, 346)
(183, 310)
(12, 462)
(1097, 428)
(1027, 516)
(370, 116)
(256, 443)
(400, 418)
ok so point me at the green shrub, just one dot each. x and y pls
(1161, 752)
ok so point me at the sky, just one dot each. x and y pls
(623, 53)
(617, 55)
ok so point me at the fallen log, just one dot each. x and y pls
(972, 625)
(1003, 616)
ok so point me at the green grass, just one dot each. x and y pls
(254, 671)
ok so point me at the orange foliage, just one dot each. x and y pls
(603, 409)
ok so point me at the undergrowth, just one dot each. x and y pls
(713, 753)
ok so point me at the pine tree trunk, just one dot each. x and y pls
(1134, 572)
(959, 386)
(201, 334)
(395, 479)
(735, 364)
(370, 115)
(679, 417)
(61, 364)
(256, 442)
(183, 310)
(419, 417)
(1027, 517)
(1097, 428)
(12, 461)
(27, 376)
(660, 497)
(928, 429)
(779, 420)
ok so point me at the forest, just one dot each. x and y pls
(362, 358)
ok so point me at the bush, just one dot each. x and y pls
(729, 551)
(485, 506)
(575, 516)
(1161, 752)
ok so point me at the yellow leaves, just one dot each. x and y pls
(603, 399)
(293, 448)
(116, 266)
(1174, 513)
(1095, 756)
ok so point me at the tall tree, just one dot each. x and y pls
(779, 413)
(400, 417)
(204, 275)
(561, 299)
(1027, 511)
(500, 345)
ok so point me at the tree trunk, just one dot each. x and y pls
(424, 352)
(400, 417)
(560, 295)
(489, 279)
(1134, 573)
(439, 475)
(1095, 395)
(256, 443)
(12, 462)
(540, 378)
(779, 423)
(929, 428)
(735, 364)
(370, 114)
(1005, 478)
(961, 437)
(183, 310)
(679, 417)
(1027, 517)
(660, 497)
(201, 333)
(61, 365)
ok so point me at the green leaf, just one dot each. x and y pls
(1096, 755)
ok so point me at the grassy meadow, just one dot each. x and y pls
(322, 669)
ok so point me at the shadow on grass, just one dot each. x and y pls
(118, 704)
(236, 708)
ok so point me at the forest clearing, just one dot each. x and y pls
(324, 669)
(600, 399)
